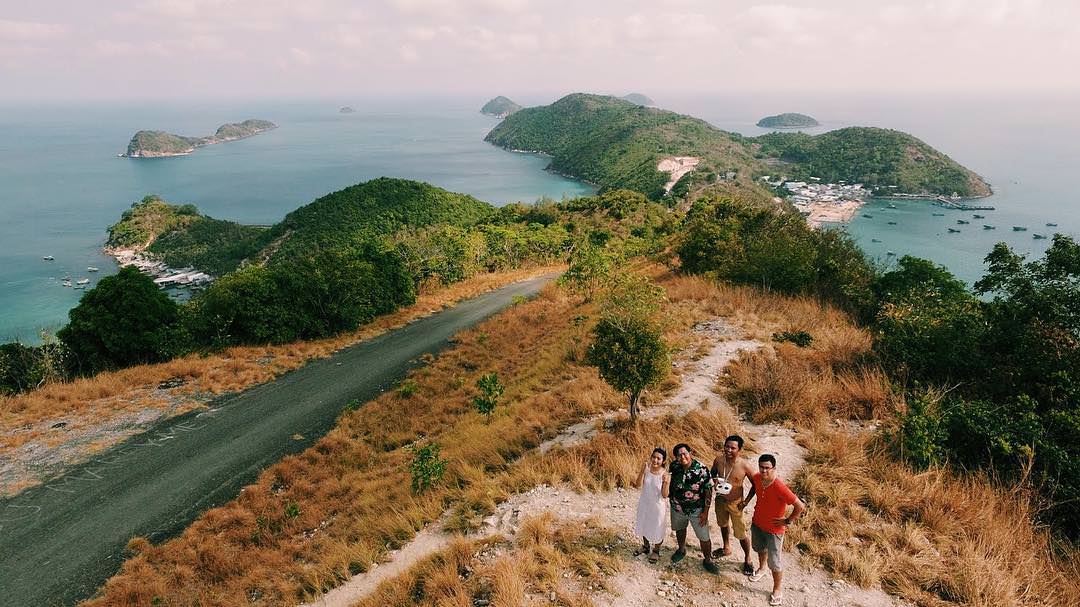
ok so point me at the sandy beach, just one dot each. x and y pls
(818, 212)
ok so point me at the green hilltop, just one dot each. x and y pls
(616, 144)
(500, 107)
(180, 236)
(155, 144)
(789, 120)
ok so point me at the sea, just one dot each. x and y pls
(62, 183)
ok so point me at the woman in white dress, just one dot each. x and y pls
(652, 510)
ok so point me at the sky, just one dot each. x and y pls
(75, 49)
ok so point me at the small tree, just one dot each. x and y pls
(125, 320)
(490, 391)
(589, 267)
(628, 348)
(426, 468)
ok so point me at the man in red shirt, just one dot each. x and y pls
(771, 521)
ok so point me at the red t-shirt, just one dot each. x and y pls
(772, 503)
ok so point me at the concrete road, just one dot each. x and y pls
(60, 541)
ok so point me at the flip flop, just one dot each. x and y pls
(776, 600)
(678, 556)
(757, 575)
(747, 569)
(654, 556)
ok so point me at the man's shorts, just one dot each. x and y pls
(679, 520)
(729, 511)
(761, 541)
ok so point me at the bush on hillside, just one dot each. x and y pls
(124, 320)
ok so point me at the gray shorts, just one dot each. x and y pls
(763, 541)
(679, 521)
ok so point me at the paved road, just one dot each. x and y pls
(59, 542)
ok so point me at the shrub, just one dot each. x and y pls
(125, 320)
(427, 467)
(799, 338)
(490, 391)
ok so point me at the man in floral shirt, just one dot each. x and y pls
(690, 496)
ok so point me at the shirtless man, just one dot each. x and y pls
(734, 469)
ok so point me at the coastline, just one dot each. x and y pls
(205, 142)
(818, 212)
(163, 275)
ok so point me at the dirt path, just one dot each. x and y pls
(640, 583)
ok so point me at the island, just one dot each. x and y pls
(346, 110)
(157, 144)
(789, 120)
(500, 107)
(638, 99)
(614, 144)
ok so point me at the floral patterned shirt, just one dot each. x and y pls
(689, 487)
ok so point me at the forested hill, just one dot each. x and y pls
(180, 236)
(873, 156)
(377, 207)
(617, 144)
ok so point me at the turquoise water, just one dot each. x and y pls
(1026, 146)
(62, 184)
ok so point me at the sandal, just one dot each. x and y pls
(776, 599)
(757, 575)
(654, 556)
(747, 569)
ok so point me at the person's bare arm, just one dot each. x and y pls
(704, 518)
(796, 512)
(641, 475)
(665, 490)
(749, 495)
(715, 470)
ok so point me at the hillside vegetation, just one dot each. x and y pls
(500, 106)
(617, 144)
(151, 144)
(787, 120)
(877, 157)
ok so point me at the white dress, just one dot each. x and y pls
(652, 511)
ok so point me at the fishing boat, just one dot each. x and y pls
(1039, 236)
(91, 269)
(82, 281)
(979, 216)
(939, 214)
(1051, 225)
(867, 216)
(962, 221)
(892, 206)
(986, 227)
(79, 287)
(892, 223)
(1019, 229)
(874, 240)
(47, 258)
(890, 253)
(953, 230)
(66, 283)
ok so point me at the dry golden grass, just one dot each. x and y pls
(106, 397)
(935, 538)
(508, 574)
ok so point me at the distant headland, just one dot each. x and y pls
(156, 144)
(638, 99)
(789, 120)
(500, 107)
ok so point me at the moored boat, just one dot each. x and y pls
(1039, 236)
(1051, 225)
(82, 281)
(986, 227)
(91, 269)
(47, 258)
(962, 221)
(953, 230)
(979, 216)
(1019, 229)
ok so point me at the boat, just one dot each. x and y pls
(962, 221)
(953, 230)
(1039, 236)
(986, 227)
(874, 240)
(890, 253)
(66, 283)
(892, 206)
(47, 258)
(868, 216)
(892, 223)
(1019, 229)
(1051, 225)
(82, 281)
(91, 269)
(939, 214)
(979, 216)
(79, 287)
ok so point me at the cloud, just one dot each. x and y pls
(29, 31)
